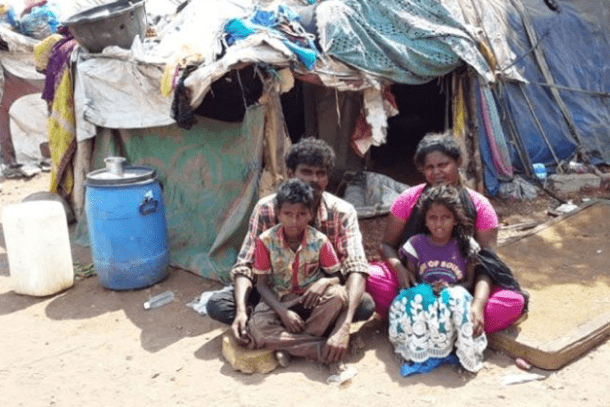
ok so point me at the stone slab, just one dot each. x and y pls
(567, 183)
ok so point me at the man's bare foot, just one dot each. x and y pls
(283, 358)
(336, 368)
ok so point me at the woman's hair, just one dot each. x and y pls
(294, 191)
(441, 142)
(449, 197)
(310, 151)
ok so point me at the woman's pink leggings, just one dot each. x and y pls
(503, 308)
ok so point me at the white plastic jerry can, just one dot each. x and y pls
(38, 247)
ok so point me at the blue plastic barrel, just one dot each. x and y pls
(127, 226)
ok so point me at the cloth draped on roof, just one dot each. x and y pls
(282, 23)
(58, 60)
(62, 137)
(404, 42)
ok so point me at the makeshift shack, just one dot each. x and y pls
(200, 100)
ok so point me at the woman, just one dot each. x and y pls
(439, 158)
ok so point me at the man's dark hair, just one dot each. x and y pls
(441, 142)
(310, 151)
(294, 191)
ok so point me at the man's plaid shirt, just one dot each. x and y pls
(336, 218)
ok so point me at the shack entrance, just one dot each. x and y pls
(423, 109)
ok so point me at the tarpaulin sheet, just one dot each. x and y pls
(209, 175)
(402, 41)
(576, 45)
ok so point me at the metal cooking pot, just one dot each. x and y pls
(115, 23)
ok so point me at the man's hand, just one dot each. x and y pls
(312, 295)
(477, 310)
(336, 345)
(239, 328)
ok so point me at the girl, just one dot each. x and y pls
(431, 314)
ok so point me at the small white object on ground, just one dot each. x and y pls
(566, 208)
(159, 300)
(509, 379)
(345, 375)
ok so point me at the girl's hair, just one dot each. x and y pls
(294, 191)
(449, 197)
(310, 151)
(441, 142)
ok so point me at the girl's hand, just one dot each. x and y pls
(439, 286)
(292, 321)
(477, 312)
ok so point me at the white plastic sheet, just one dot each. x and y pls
(28, 120)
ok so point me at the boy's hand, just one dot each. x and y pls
(292, 321)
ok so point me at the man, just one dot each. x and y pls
(310, 160)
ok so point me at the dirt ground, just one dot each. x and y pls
(97, 347)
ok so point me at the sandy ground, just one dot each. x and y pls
(97, 347)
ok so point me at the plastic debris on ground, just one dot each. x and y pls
(371, 193)
(517, 188)
(510, 379)
(159, 300)
(84, 270)
(200, 304)
(411, 368)
(342, 375)
(564, 208)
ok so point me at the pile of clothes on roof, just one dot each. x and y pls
(38, 19)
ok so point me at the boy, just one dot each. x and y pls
(311, 160)
(290, 258)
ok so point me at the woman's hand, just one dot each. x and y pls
(477, 312)
(406, 278)
(482, 289)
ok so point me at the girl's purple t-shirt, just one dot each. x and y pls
(486, 215)
(434, 262)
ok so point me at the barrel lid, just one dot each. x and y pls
(132, 174)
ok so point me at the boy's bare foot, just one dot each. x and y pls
(283, 358)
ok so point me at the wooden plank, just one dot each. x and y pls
(554, 354)
(555, 287)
